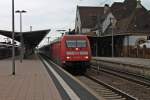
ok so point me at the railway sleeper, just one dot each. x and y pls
(119, 99)
(112, 97)
(104, 91)
(107, 93)
(103, 88)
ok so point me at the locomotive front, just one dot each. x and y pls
(75, 51)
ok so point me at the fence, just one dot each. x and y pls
(136, 52)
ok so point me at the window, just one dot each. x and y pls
(71, 43)
(76, 43)
(81, 43)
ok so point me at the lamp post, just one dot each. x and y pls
(13, 36)
(21, 34)
(113, 23)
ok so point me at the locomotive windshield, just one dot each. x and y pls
(81, 43)
(71, 43)
(76, 43)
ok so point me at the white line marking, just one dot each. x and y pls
(67, 88)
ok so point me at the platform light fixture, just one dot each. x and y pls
(13, 36)
(112, 22)
(21, 34)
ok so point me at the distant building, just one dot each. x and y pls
(86, 18)
(132, 26)
(129, 21)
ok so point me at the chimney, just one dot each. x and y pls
(139, 5)
(106, 8)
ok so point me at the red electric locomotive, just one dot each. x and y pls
(72, 52)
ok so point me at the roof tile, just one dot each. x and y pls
(89, 15)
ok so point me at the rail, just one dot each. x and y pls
(121, 93)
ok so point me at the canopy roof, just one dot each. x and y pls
(31, 38)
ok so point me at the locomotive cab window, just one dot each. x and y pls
(81, 43)
(76, 43)
(71, 43)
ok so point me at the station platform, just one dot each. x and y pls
(134, 65)
(126, 60)
(31, 81)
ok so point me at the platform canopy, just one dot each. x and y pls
(31, 38)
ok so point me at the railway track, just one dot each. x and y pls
(111, 92)
(133, 85)
(69, 91)
(105, 90)
(128, 76)
(108, 92)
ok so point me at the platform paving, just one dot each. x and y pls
(126, 60)
(31, 81)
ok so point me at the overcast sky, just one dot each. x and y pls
(46, 14)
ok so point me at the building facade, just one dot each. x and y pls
(127, 22)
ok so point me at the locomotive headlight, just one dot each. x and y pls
(86, 57)
(68, 57)
(77, 49)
